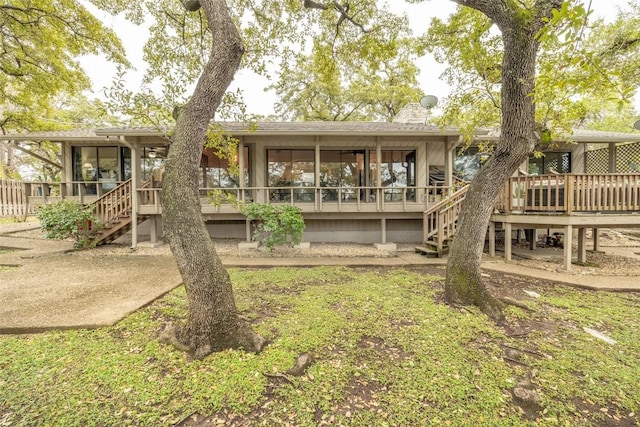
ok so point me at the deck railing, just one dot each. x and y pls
(568, 193)
(318, 198)
(114, 205)
(14, 200)
(441, 219)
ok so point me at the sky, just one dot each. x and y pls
(253, 86)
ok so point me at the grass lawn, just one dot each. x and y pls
(387, 350)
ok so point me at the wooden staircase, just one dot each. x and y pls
(440, 224)
(113, 211)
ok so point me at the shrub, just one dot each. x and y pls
(69, 219)
(275, 224)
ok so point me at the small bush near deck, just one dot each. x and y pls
(69, 219)
(275, 224)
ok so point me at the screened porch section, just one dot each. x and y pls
(319, 180)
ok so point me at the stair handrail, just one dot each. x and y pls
(113, 205)
(440, 219)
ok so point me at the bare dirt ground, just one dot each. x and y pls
(619, 251)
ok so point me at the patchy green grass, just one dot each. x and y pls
(387, 352)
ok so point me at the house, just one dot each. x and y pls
(354, 181)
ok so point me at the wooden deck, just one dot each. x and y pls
(568, 202)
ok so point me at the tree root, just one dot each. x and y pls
(198, 348)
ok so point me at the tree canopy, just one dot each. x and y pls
(586, 71)
(320, 67)
(41, 40)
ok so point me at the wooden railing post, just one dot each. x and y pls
(568, 194)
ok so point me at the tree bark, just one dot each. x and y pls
(213, 323)
(517, 141)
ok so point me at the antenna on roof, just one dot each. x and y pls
(428, 102)
(637, 124)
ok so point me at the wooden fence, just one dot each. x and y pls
(13, 199)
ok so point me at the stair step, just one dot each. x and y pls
(430, 253)
(434, 243)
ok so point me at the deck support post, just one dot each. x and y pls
(247, 230)
(507, 241)
(383, 230)
(532, 237)
(568, 238)
(596, 240)
(492, 239)
(582, 247)
(153, 229)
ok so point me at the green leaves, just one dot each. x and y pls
(69, 219)
(587, 72)
(40, 42)
(275, 224)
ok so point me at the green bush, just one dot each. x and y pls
(69, 219)
(275, 224)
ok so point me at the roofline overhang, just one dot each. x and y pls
(579, 139)
(153, 133)
(51, 138)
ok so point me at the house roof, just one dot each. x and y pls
(306, 128)
(56, 136)
(580, 135)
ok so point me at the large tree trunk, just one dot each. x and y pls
(213, 323)
(517, 141)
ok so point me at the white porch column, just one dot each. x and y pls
(135, 181)
(568, 238)
(241, 172)
(448, 162)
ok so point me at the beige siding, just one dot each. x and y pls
(436, 154)
(578, 153)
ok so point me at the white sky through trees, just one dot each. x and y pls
(260, 102)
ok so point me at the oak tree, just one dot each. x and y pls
(535, 75)
(519, 25)
(213, 322)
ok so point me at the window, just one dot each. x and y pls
(153, 165)
(397, 172)
(104, 165)
(341, 172)
(550, 162)
(291, 168)
(467, 162)
(216, 172)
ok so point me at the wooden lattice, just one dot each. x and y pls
(598, 161)
(628, 158)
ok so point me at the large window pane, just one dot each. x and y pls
(291, 168)
(108, 167)
(549, 163)
(153, 159)
(397, 172)
(344, 170)
(85, 165)
(216, 172)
